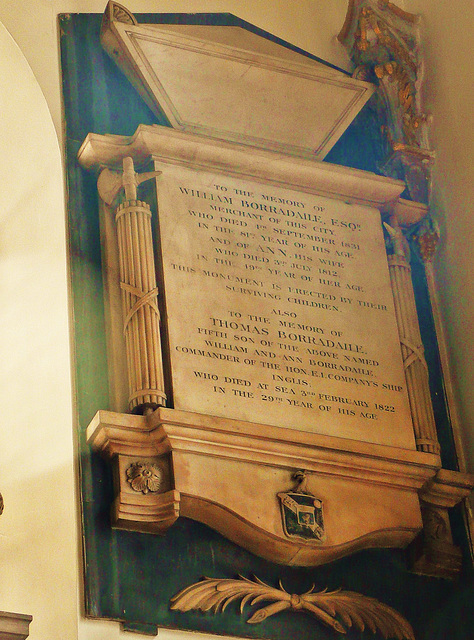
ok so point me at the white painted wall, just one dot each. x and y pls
(39, 531)
(448, 30)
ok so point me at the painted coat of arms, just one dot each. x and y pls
(302, 513)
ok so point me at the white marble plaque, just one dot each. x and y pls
(279, 308)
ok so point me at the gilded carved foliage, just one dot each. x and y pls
(339, 609)
(383, 42)
(427, 238)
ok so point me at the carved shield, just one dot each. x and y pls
(302, 516)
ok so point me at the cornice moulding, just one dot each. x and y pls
(448, 488)
(201, 153)
(171, 430)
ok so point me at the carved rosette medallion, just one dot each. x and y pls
(144, 477)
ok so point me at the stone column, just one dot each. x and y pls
(416, 369)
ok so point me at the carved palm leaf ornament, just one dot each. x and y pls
(350, 607)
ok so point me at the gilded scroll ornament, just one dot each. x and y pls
(145, 477)
(339, 609)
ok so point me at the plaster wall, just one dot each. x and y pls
(39, 562)
(448, 33)
(40, 569)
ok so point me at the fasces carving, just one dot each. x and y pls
(141, 317)
(383, 42)
(427, 238)
(339, 609)
(416, 369)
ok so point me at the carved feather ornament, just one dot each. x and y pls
(339, 609)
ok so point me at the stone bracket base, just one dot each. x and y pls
(433, 553)
(234, 476)
(237, 477)
(153, 515)
(14, 626)
(434, 558)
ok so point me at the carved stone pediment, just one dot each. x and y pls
(229, 83)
